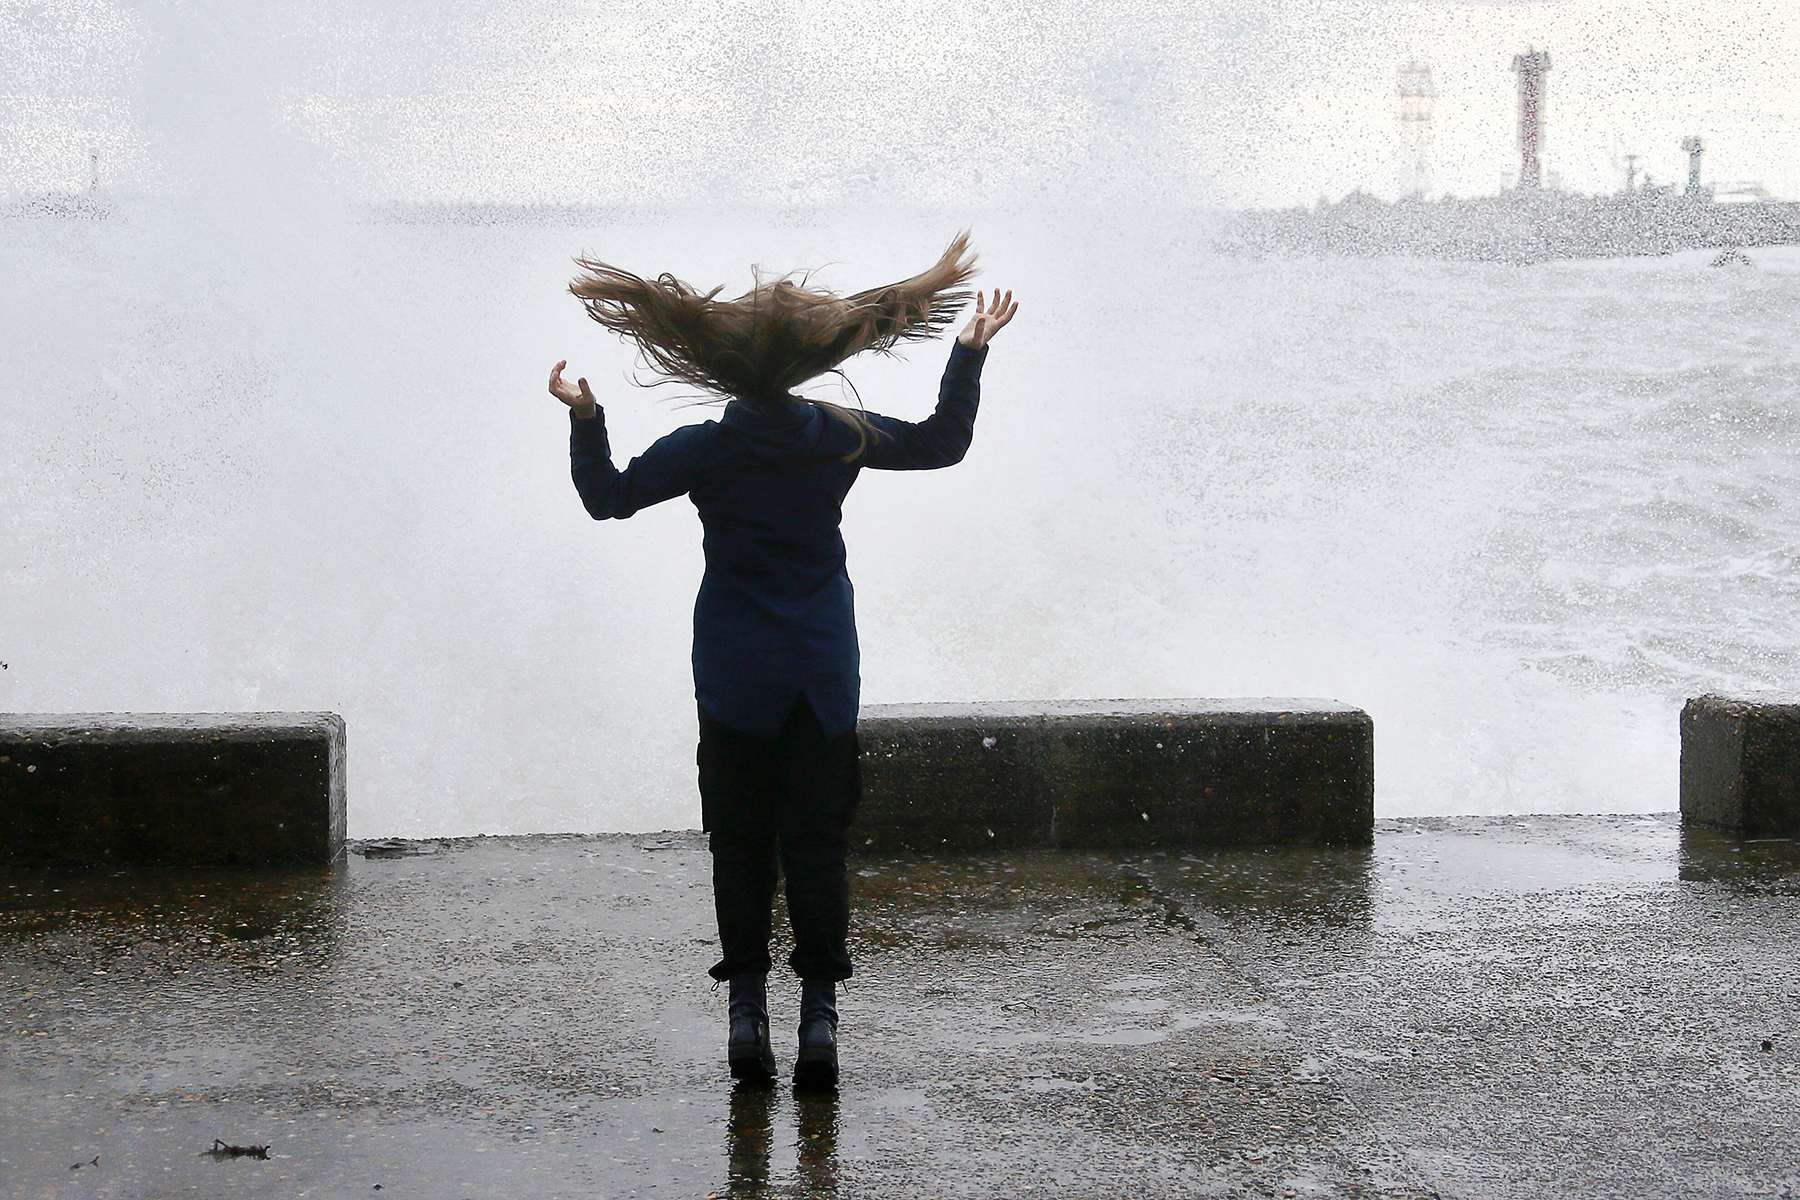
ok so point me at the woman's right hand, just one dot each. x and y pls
(987, 320)
(576, 395)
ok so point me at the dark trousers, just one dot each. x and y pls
(788, 800)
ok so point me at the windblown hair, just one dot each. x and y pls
(776, 336)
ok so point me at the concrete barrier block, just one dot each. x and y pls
(1116, 773)
(179, 788)
(1740, 764)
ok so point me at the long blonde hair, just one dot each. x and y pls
(776, 336)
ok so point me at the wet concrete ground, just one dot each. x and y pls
(1602, 1006)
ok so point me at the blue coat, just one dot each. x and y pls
(775, 619)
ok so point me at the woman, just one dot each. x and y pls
(775, 651)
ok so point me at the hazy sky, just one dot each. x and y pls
(988, 101)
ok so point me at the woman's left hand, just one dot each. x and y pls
(575, 395)
(987, 320)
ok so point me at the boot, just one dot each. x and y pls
(748, 1048)
(816, 1068)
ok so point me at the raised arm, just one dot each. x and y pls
(660, 473)
(942, 439)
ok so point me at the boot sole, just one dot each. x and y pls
(816, 1069)
(750, 1062)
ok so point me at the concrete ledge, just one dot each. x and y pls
(178, 788)
(1115, 773)
(1740, 764)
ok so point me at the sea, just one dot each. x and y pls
(306, 460)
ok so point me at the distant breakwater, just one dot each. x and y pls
(1515, 227)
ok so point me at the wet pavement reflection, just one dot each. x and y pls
(1756, 865)
(1474, 1005)
(817, 1115)
(295, 906)
(751, 1134)
(751, 1137)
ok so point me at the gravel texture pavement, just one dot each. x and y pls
(1518, 1006)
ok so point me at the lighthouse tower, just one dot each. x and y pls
(1416, 102)
(1530, 68)
(1695, 148)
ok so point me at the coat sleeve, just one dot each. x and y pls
(941, 439)
(662, 472)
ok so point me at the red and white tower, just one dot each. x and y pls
(1530, 68)
(1416, 102)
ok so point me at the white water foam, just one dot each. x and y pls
(1517, 514)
